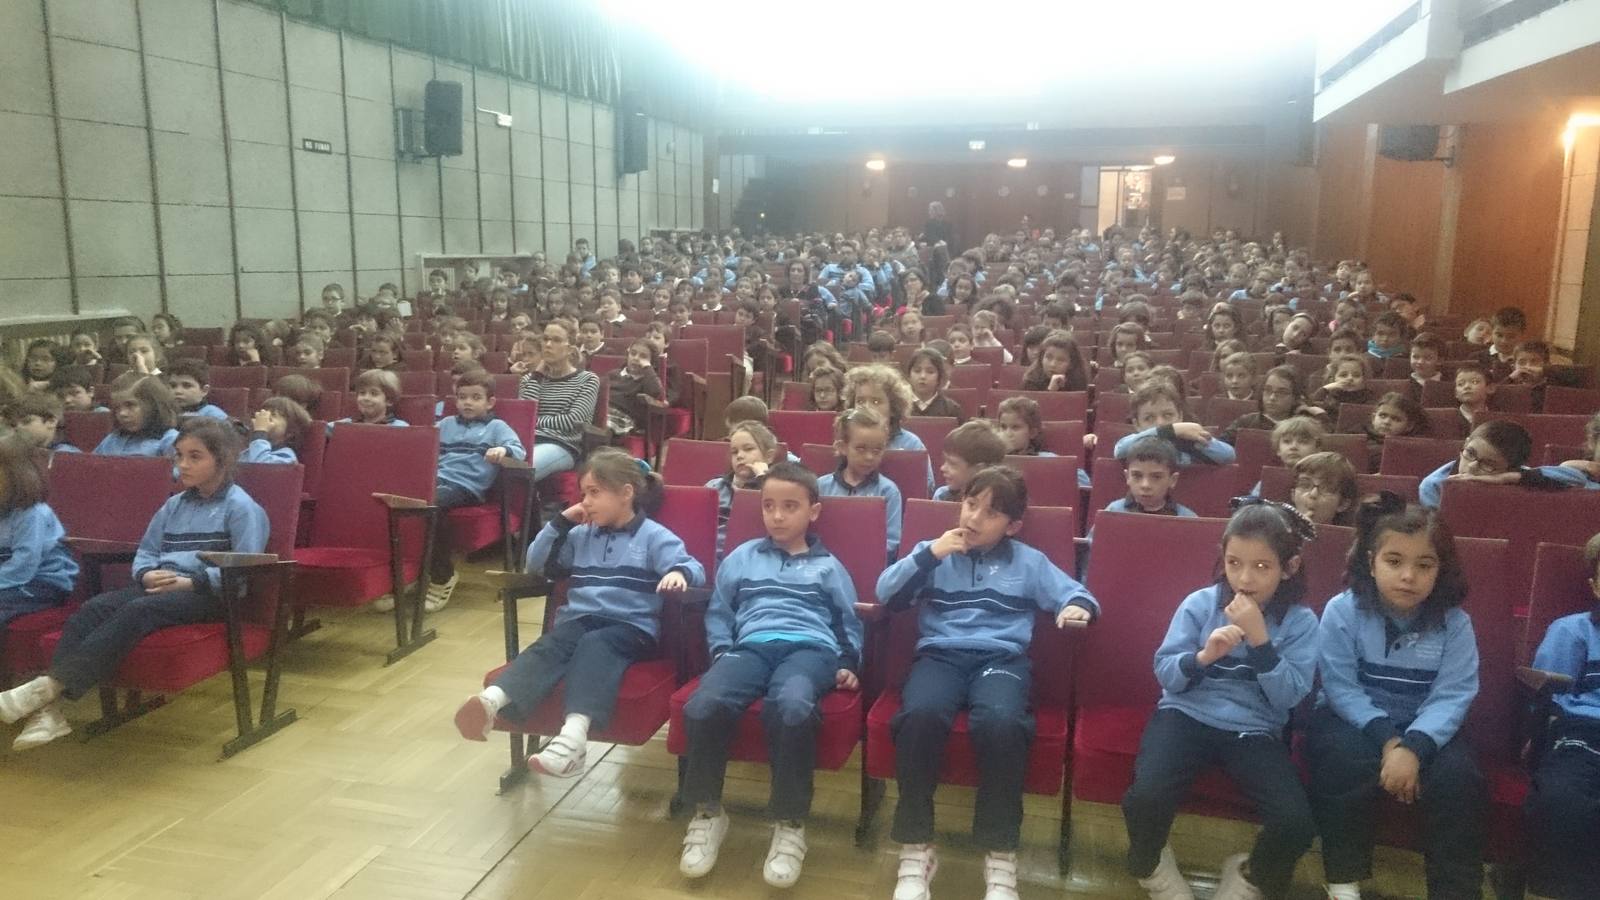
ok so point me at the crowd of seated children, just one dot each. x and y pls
(881, 389)
(1282, 394)
(172, 586)
(1324, 488)
(612, 617)
(1344, 381)
(1505, 332)
(1059, 367)
(860, 437)
(781, 625)
(973, 657)
(1158, 411)
(1238, 658)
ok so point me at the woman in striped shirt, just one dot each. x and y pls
(566, 396)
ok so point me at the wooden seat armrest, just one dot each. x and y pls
(400, 504)
(1543, 683)
(239, 561)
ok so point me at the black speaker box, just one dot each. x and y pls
(441, 114)
(1408, 143)
(633, 132)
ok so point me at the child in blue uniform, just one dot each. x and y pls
(882, 389)
(144, 413)
(1158, 410)
(781, 625)
(751, 450)
(1496, 452)
(471, 444)
(1238, 657)
(978, 589)
(1562, 811)
(860, 436)
(967, 449)
(172, 586)
(276, 431)
(1399, 666)
(619, 561)
(190, 381)
(37, 571)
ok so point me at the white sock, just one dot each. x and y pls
(495, 697)
(576, 727)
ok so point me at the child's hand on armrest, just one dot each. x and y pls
(672, 582)
(846, 680)
(1072, 615)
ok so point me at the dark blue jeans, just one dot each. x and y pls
(792, 677)
(993, 687)
(1563, 814)
(29, 598)
(590, 652)
(101, 634)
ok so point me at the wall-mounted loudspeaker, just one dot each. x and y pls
(633, 134)
(441, 112)
(1409, 143)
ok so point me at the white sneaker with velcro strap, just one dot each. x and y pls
(918, 864)
(785, 855)
(701, 843)
(1000, 876)
(563, 757)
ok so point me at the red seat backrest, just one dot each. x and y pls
(931, 430)
(1560, 588)
(235, 401)
(1556, 454)
(277, 488)
(796, 395)
(1417, 456)
(81, 499)
(1559, 400)
(1492, 720)
(339, 357)
(691, 356)
(1057, 406)
(1208, 490)
(1008, 378)
(1549, 429)
(691, 514)
(1063, 438)
(313, 445)
(1110, 406)
(1221, 411)
(800, 427)
(362, 460)
(1051, 480)
(693, 463)
(1139, 599)
(418, 382)
(1277, 483)
(330, 379)
(239, 376)
(418, 358)
(971, 375)
(1324, 560)
(85, 429)
(721, 341)
(971, 400)
(417, 410)
(1512, 398)
(1524, 517)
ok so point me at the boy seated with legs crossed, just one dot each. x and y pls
(781, 625)
(979, 589)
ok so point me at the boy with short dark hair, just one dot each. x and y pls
(782, 625)
(74, 385)
(1529, 362)
(190, 380)
(1150, 469)
(1427, 351)
(1505, 332)
(36, 416)
(967, 449)
(1474, 387)
(881, 345)
(978, 589)
(471, 444)
(1497, 452)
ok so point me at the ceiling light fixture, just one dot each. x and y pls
(1165, 159)
(976, 145)
(1018, 162)
(876, 165)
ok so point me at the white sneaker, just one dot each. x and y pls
(475, 718)
(1233, 885)
(439, 594)
(563, 757)
(918, 864)
(701, 843)
(1351, 891)
(785, 855)
(1166, 882)
(384, 604)
(25, 699)
(1000, 876)
(46, 725)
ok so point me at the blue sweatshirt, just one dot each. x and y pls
(764, 594)
(1388, 679)
(834, 484)
(33, 549)
(1128, 504)
(981, 600)
(119, 443)
(1431, 491)
(398, 423)
(1252, 689)
(188, 524)
(209, 410)
(1572, 647)
(260, 450)
(462, 444)
(614, 571)
(1216, 452)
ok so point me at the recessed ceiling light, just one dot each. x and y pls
(1019, 162)
(876, 165)
(976, 145)
(1165, 159)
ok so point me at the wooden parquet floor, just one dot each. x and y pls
(373, 795)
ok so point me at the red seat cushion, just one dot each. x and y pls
(1104, 747)
(172, 659)
(473, 528)
(563, 486)
(22, 650)
(345, 576)
(642, 705)
(1046, 755)
(836, 737)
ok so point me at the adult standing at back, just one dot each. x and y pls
(566, 396)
